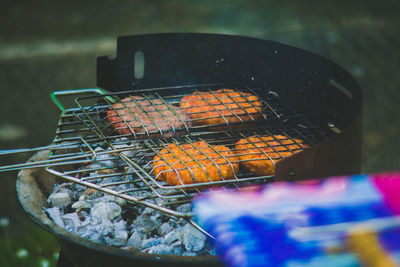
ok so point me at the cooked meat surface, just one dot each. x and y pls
(258, 154)
(138, 115)
(196, 162)
(224, 106)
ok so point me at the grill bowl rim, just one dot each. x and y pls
(30, 186)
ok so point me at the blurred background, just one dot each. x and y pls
(52, 45)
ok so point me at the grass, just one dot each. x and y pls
(25, 244)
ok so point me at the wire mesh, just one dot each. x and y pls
(146, 146)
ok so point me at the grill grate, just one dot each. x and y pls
(99, 155)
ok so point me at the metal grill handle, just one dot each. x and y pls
(56, 101)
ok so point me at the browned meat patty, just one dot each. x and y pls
(138, 115)
(259, 154)
(224, 106)
(197, 162)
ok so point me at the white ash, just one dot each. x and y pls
(109, 220)
(164, 229)
(129, 151)
(82, 204)
(184, 208)
(72, 221)
(151, 242)
(160, 249)
(120, 236)
(193, 239)
(55, 214)
(135, 240)
(59, 199)
(172, 237)
(104, 158)
(178, 250)
(109, 210)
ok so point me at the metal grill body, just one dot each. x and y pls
(303, 96)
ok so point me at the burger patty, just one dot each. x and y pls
(224, 106)
(137, 115)
(258, 154)
(196, 162)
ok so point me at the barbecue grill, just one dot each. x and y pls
(303, 96)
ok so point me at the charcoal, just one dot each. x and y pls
(120, 201)
(160, 249)
(184, 208)
(148, 211)
(109, 210)
(129, 214)
(74, 190)
(87, 228)
(110, 180)
(94, 166)
(137, 194)
(120, 225)
(110, 198)
(78, 189)
(95, 174)
(147, 243)
(146, 225)
(135, 240)
(119, 238)
(71, 221)
(193, 239)
(103, 158)
(159, 201)
(164, 229)
(106, 198)
(83, 215)
(63, 187)
(82, 205)
(158, 217)
(181, 222)
(130, 152)
(55, 214)
(172, 222)
(91, 194)
(176, 243)
(60, 199)
(110, 220)
(173, 236)
(96, 229)
(178, 250)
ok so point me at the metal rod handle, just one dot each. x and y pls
(22, 150)
(47, 163)
(55, 94)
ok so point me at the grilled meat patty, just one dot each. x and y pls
(224, 106)
(138, 115)
(196, 162)
(258, 154)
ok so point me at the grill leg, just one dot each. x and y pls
(63, 261)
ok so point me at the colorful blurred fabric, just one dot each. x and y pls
(338, 221)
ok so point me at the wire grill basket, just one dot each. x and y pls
(128, 154)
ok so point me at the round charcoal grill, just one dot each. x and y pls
(303, 96)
